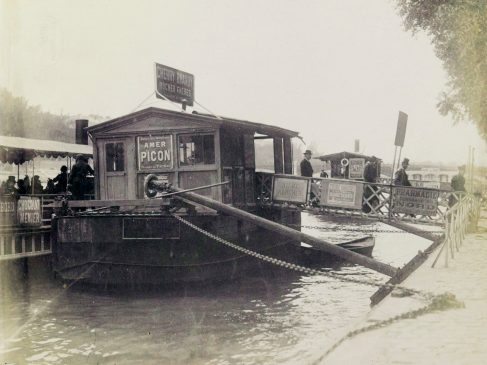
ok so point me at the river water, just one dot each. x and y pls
(289, 319)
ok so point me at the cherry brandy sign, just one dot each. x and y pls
(174, 85)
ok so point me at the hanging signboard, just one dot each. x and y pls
(154, 152)
(402, 123)
(291, 189)
(174, 84)
(418, 201)
(356, 168)
(29, 211)
(7, 211)
(341, 193)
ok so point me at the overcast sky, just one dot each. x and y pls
(334, 70)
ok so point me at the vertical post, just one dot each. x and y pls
(399, 158)
(391, 182)
(278, 156)
(288, 159)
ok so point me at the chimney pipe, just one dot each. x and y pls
(81, 133)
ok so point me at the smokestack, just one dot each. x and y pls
(357, 145)
(81, 133)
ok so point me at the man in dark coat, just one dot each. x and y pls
(401, 177)
(78, 178)
(61, 180)
(306, 168)
(370, 176)
(457, 184)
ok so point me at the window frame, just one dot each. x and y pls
(198, 166)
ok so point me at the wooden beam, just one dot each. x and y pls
(278, 156)
(296, 235)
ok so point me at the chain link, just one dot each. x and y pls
(363, 230)
(299, 268)
(436, 302)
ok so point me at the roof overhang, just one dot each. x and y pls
(18, 150)
(244, 125)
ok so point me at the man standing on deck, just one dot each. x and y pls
(401, 178)
(78, 180)
(306, 168)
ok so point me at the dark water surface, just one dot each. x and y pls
(288, 319)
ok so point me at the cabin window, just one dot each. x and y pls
(196, 149)
(114, 156)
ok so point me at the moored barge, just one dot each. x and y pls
(124, 238)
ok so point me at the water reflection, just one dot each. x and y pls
(288, 318)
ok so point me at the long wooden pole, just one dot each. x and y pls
(296, 235)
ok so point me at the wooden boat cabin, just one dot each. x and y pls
(187, 150)
(349, 165)
(150, 245)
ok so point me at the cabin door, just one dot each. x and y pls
(115, 170)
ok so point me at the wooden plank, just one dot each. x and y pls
(403, 273)
(114, 203)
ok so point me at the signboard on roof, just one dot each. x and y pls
(341, 193)
(175, 85)
(154, 152)
(356, 168)
(402, 123)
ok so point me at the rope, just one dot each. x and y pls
(439, 302)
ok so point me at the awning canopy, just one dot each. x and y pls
(338, 156)
(18, 150)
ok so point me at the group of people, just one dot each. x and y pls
(22, 186)
(371, 174)
(76, 182)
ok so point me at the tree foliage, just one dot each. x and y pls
(458, 29)
(19, 119)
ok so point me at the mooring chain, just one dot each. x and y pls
(363, 230)
(296, 267)
(437, 302)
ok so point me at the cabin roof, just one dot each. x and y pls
(244, 125)
(338, 156)
(19, 150)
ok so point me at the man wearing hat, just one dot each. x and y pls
(401, 178)
(78, 180)
(306, 168)
(457, 184)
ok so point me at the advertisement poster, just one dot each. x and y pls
(290, 189)
(356, 168)
(417, 201)
(154, 152)
(341, 193)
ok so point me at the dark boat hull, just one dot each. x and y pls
(154, 249)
